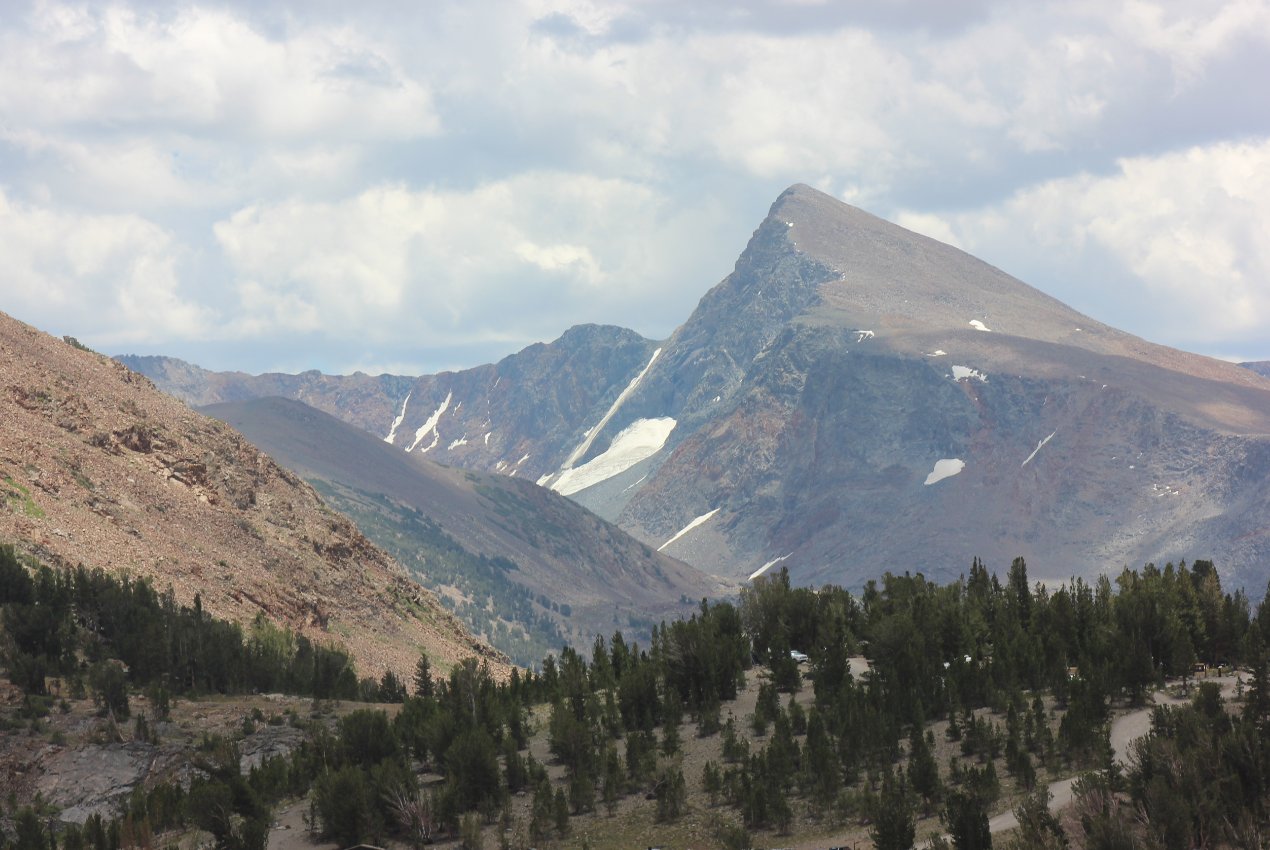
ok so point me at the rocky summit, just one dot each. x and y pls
(853, 398)
(99, 468)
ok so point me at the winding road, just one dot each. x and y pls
(1125, 729)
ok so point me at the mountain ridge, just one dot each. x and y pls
(557, 549)
(802, 412)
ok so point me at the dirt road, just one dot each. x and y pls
(1125, 729)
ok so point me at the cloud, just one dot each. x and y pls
(200, 68)
(1175, 247)
(112, 107)
(356, 184)
(115, 276)
(522, 257)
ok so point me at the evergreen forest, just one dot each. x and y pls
(916, 703)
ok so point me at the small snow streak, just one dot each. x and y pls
(980, 326)
(767, 567)
(396, 423)
(861, 336)
(1037, 449)
(945, 468)
(689, 527)
(938, 352)
(431, 425)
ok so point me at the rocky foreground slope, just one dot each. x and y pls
(856, 397)
(99, 468)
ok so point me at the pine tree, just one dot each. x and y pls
(966, 817)
(424, 686)
(893, 827)
(923, 772)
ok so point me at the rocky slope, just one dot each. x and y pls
(857, 397)
(100, 468)
(595, 576)
(1261, 367)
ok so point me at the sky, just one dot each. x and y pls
(426, 185)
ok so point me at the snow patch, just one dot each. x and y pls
(585, 445)
(689, 527)
(641, 439)
(945, 468)
(500, 466)
(964, 373)
(487, 433)
(396, 423)
(980, 326)
(461, 441)
(522, 460)
(767, 567)
(1037, 449)
(938, 352)
(544, 479)
(861, 336)
(430, 425)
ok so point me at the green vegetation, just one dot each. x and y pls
(494, 605)
(1018, 681)
(70, 622)
(17, 497)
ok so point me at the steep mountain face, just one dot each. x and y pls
(513, 417)
(97, 467)
(573, 570)
(857, 397)
(1261, 367)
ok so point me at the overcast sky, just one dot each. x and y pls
(416, 186)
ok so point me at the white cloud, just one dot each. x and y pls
(494, 171)
(1186, 235)
(113, 275)
(205, 69)
(541, 247)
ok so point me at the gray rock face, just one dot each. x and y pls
(855, 398)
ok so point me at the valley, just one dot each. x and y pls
(852, 395)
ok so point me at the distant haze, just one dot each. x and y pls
(411, 187)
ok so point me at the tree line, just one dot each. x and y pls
(1048, 663)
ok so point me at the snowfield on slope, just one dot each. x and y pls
(945, 468)
(964, 373)
(430, 425)
(585, 445)
(642, 439)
